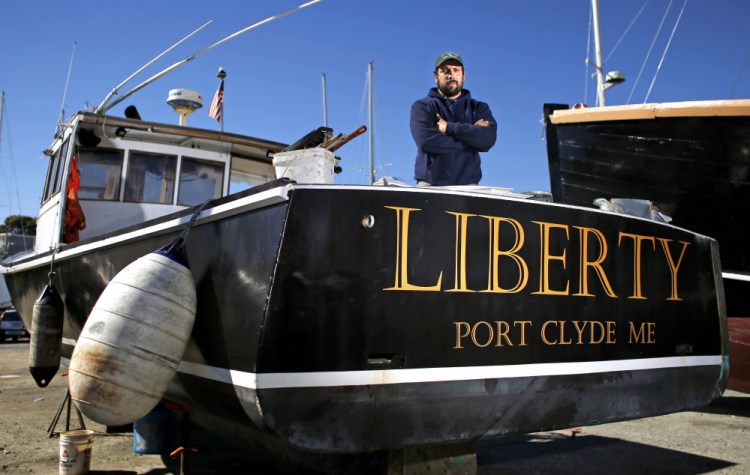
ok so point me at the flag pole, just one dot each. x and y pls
(221, 75)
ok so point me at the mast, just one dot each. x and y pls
(2, 108)
(372, 141)
(598, 51)
(325, 104)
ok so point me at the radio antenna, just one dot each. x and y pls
(65, 91)
(117, 88)
(193, 56)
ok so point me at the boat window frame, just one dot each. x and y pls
(84, 176)
(137, 154)
(53, 183)
(211, 162)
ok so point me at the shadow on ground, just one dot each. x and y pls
(585, 454)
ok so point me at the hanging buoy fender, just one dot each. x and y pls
(45, 348)
(134, 338)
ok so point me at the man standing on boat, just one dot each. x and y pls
(450, 129)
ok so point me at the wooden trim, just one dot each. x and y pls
(721, 108)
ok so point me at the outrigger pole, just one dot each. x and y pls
(176, 65)
(117, 88)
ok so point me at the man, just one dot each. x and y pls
(450, 129)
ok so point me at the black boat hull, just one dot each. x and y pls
(348, 319)
(694, 168)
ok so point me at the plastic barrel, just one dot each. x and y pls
(157, 432)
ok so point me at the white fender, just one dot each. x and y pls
(133, 341)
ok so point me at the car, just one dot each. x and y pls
(11, 326)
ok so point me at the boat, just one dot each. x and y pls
(331, 320)
(689, 159)
(10, 242)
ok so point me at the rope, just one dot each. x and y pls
(742, 67)
(649, 51)
(588, 52)
(627, 30)
(658, 68)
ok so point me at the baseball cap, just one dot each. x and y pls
(446, 56)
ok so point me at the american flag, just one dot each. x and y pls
(217, 104)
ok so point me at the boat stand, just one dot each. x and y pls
(66, 400)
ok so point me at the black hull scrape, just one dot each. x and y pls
(308, 335)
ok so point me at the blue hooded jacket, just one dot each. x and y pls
(450, 158)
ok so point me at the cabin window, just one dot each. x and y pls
(100, 171)
(150, 178)
(200, 180)
(54, 172)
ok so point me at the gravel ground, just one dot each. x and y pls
(713, 440)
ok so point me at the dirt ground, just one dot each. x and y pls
(715, 439)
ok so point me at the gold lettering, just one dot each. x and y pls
(672, 267)
(600, 326)
(461, 225)
(502, 333)
(611, 327)
(402, 254)
(546, 257)
(524, 324)
(645, 334)
(583, 282)
(579, 330)
(493, 280)
(546, 340)
(490, 337)
(637, 240)
(460, 334)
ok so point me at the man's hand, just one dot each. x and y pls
(441, 124)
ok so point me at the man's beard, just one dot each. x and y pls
(450, 89)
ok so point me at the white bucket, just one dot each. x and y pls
(310, 165)
(75, 451)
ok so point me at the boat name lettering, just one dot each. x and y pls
(593, 248)
(500, 333)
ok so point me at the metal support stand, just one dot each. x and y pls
(56, 419)
(185, 449)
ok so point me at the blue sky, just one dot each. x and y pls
(518, 55)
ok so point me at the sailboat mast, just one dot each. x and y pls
(371, 136)
(598, 51)
(2, 108)
(325, 103)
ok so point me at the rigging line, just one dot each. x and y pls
(739, 73)
(12, 162)
(649, 50)
(588, 52)
(627, 30)
(658, 68)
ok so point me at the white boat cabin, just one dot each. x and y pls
(130, 171)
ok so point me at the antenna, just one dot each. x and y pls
(184, 102)
(65, 91)
(193, 56)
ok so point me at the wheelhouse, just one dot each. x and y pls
(117, 172)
